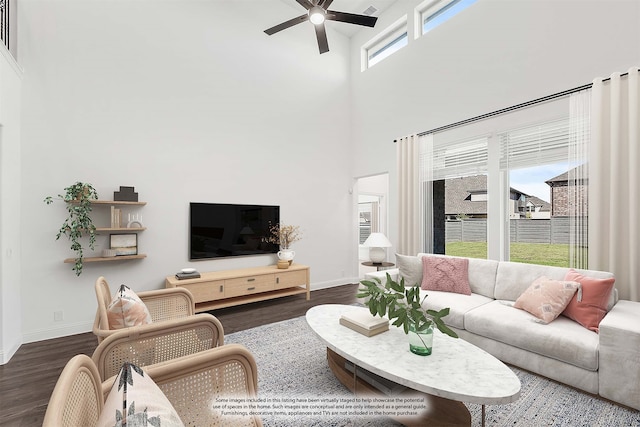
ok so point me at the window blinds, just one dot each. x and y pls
(457, 159)
(541, 144)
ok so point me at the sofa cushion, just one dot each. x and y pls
(482, 274)
(592, 307)
(447, 274)
(459, 305)
(547, 298)
(563, 339)
(410, 268)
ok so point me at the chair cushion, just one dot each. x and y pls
(592, 308)
(127, 309)
(136, 400)
(563, 339)
(447, 274)
(547, 298)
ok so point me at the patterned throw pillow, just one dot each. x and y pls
(135, 400)
(595, 297)
(447, 274)
(127, 309)
(546, 298)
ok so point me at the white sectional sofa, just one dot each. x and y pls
(605, 363)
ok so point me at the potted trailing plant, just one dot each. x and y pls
(77, 198)
(403, 306)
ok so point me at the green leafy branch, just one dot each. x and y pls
(402, 305)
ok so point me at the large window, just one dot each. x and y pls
(519, 193)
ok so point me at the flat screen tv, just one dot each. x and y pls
(219, 230)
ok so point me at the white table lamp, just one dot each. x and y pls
(376, 243)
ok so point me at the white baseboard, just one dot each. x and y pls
(333, 283)
(62, 331)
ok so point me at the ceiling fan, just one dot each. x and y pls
(317, 13)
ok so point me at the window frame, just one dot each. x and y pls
(384, 40)
(431, 8)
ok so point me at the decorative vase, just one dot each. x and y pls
(286, 255)
(421, 342)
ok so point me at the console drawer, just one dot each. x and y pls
(249, 285)
(206, 291)
(291, 279)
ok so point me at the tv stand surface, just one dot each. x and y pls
(227, 288)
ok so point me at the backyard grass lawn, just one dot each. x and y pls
(532, 253)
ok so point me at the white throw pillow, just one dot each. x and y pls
(135, 400)
(410, 268)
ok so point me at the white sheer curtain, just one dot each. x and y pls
(410, 206)
(614, 184)
(579, 142)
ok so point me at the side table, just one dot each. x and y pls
(378, 265)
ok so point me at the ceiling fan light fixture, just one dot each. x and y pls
(316, 15)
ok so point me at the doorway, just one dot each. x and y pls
(373, 192)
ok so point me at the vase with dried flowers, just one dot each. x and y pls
(284, 235)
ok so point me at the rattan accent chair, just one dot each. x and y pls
(157, 342)
(163, 305)
(191, 383)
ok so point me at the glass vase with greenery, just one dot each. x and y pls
(403, 306)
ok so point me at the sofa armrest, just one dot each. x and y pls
(382, 275)
(619, 371)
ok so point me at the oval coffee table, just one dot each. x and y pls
(455, 372)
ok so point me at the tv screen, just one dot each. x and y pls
(224, 230)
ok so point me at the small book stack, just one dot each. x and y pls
(183, 276)
(362, 321)
(116, 217)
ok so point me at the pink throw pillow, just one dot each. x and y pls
(595, 298)
(127, 309)
(546, 298)
(445, 274)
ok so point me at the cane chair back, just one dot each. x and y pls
(157, 342)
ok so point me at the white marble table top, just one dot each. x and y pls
(456, 369)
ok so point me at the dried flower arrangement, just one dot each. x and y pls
(284, 235)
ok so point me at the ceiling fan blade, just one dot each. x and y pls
(321, 35)
(326, 4)
(306, 4)
(287, 24)
(351, 18)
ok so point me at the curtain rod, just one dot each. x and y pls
(512, 108)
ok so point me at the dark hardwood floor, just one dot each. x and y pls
(26, 382)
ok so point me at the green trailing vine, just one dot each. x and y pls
(78, 223)
(402, 305)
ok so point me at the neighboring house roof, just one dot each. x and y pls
(562, 179)
(458, 193)
(544, 205)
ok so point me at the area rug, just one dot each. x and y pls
(292, 368)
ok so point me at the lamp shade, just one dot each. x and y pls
(377, 240)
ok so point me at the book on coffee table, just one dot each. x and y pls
(365, 323)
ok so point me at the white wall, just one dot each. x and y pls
(186, 101)
(495, 54)
(10, 218)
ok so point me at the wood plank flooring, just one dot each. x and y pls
(27, 380)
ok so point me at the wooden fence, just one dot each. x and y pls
(554, 230)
